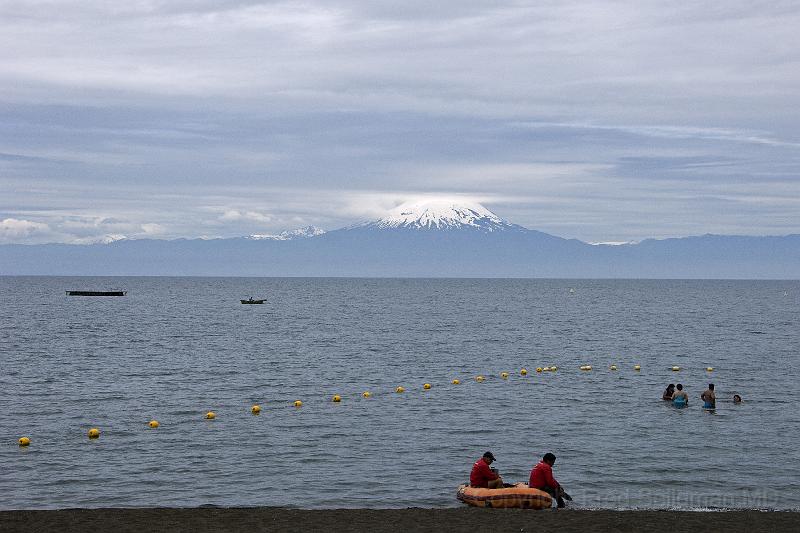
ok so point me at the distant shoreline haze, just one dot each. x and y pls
(423, 239)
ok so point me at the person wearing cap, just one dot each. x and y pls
(542, 479)
(483, 476)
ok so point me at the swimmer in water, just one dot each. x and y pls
(669, 392)
(737, 398)
(680, 398)
(709, 398)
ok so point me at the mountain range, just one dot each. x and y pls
(423, 239)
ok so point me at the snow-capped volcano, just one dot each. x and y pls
(442, 215)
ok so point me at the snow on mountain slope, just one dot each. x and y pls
(300, 233)
(441, 215)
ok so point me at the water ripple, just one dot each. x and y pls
(70, 364)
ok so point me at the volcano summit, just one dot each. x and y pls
(442, 215)
(434, 238)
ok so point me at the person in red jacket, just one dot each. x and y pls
(483, 476)
(542, 479)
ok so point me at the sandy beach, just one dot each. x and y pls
(384, 520)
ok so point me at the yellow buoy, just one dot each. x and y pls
(586, 367)
(524, 371)
(456, 382)
(538, 369)
(153, 424)
(94, 433)
(24, 441)
(637, 367)
(298, 403)
(366, 394)
(479, 379)
(613, 367)
(426, 386)
(400, 389)
(676, 368)
(504, 375)
(710, 369)
(546, 369)
(211, 415)
(256, 409)
(336, 398)
(553, 368)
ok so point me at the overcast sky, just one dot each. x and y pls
(604, 121)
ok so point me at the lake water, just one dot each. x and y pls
(175, 348)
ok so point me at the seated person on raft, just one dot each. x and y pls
(709, 398)
(542, 479)
(669, 392)
(484, 477)
(680, 398)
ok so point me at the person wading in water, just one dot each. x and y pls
(709, 398)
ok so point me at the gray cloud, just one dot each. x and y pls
(603, 121)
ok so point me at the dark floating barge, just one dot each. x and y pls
(97, 293)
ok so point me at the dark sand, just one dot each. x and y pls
(381, 520)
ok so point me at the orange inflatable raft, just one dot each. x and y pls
(519, 495)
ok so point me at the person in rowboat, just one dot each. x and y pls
(483, 476)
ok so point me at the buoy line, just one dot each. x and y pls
(94, 433)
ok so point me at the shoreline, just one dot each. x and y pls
(207, 519)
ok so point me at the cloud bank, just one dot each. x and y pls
(605, 121)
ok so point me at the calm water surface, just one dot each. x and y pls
(175, 348)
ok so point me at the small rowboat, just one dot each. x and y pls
(519, 495)
(251, 301)
(96, 293)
